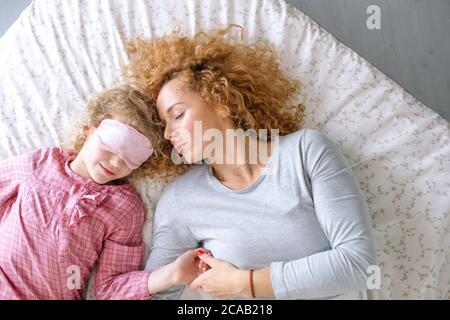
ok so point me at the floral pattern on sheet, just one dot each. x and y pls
(59, 52)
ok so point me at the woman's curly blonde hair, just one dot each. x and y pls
(244, 79)
(130, 103)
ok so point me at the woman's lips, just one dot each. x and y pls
(180, 146)
(108, 172)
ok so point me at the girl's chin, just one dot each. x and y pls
(100, 178)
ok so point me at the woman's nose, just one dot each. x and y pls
(167, 132)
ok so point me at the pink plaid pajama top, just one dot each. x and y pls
(56, 225)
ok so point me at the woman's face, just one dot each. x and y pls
(187, 117)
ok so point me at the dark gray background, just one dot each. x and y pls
(412, 47)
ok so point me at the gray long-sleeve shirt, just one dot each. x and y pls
(304, 217)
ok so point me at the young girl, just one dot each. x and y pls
(61, 212)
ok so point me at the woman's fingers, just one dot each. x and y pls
(209, 260)
(198, 282)
(205, 267)
(202, 251)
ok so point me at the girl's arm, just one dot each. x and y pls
(13, 171)
(119, 274)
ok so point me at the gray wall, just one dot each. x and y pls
(9, 11)
(412, 47)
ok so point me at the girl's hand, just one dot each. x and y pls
(222, 280)
(188, 266)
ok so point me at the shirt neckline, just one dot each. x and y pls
(258, 181)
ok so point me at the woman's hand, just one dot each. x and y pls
(223, 280)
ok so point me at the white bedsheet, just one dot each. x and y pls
(60, 52)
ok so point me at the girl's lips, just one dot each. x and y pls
(110, 173)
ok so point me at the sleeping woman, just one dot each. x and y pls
(281, 211)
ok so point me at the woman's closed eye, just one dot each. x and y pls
(179, 116)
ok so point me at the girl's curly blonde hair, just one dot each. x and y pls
(244, 79)
(138, 109)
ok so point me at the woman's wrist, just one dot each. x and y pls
(258, 279)
(243, 283)
(262, 283)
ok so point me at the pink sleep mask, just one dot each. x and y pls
(132, 146)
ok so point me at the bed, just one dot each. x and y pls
(60, 52)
